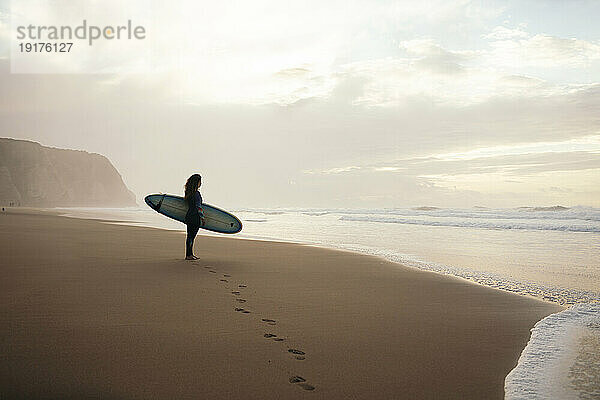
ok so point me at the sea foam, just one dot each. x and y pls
(485, 222)
(562, 358)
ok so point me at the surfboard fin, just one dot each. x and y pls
(160, 202)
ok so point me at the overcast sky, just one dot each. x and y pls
(333, 103)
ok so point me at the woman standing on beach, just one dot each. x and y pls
(195, 216)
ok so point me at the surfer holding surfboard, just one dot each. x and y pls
(194, 217)
(193, 212)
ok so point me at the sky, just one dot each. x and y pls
(355, 104)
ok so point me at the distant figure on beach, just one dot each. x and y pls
(195, 216)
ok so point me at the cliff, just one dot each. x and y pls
(39, 176)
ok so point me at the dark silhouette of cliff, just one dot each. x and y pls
(39, 176)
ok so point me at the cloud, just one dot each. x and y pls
(297, 72)
(522, 168)
(433, 58)
(395, 81)
(518, 49)
(504, 33)
(518, 164)
(337, 170)
(513, 165)
(589, 143)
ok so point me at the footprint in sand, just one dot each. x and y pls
(240, 300)
(242, 310)
(213, 272)
(235, 292)
(223, 280)
(297, 352)
(297, 379)
(300, 381)
(207, 267)
(274, 337)
(269, 321)
(227, 275)
(242, 286)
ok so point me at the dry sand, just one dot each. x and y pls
(94, 310)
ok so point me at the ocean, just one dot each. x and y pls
(551, 253)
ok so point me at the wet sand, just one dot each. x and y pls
(96, 310)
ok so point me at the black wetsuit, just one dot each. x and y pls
(192, 220)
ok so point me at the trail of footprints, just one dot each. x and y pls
(297, 354)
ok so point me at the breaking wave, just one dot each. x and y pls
(569, 221)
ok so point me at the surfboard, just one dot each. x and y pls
(175, 207)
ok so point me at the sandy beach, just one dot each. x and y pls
(97, 310)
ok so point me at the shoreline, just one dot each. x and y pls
(333, 248)
(369, 327)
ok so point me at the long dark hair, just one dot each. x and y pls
(191, 185)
